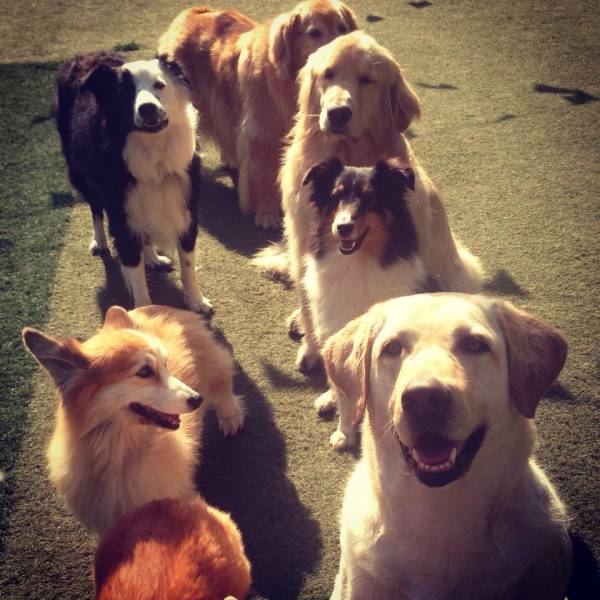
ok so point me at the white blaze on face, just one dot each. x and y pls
(150, 89)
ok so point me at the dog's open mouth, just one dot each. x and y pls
(350, 246)
(155, 416)
(437, 461)
(153, 126)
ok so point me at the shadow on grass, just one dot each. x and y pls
(420, 4)
(503, 283)
(219, 215)
(559, 393)
(573, 95)
(246, 476)
(62, 199)
(315, 381)
(436, 86)
(585, 577)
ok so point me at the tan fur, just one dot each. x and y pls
(498, 530)
(171, 549)
(243, 85)
(103, 458)
(382, 110)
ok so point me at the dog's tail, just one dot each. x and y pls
(273, 260)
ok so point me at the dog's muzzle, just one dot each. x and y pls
(337, 119)
(151, 118)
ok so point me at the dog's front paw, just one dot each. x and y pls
(160, 263)
(201, 305)
(340, 441)
(307, 359)
(325, 403)
(97, 248)
(231, 419)
(268, 221)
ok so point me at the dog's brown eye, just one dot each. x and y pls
(159, 85)
(145, 372)
(475, 344)
(327, 74)
(392, 348)
(314, 33)
(365, 80)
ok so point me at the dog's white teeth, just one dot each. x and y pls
(415, 455)
(453, 454)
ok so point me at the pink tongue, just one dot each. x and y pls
(433, 449)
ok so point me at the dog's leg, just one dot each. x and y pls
(135, 278)
(325, 403)
(230, 411)
(129, 248)
(295, 325)
(345, 436)
(154, 260)
(195, 299)
(99, 244)
(308, 356)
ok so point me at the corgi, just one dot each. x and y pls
(173, 549)
(363, 250)
(131, 401)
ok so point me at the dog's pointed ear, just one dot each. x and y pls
(536, 353)
(323, 176)
(118, 318)
(392, 174)
(404, 101)
(282, 36)
(63, 359)
(174, 70)
(349, 18)
(347, 358)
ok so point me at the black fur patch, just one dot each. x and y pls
(188, 240)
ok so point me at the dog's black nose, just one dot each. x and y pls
(345, 229)
(149, 111)
(339, 116)
(427, 402)
(195, 401)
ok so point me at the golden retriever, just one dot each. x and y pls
(447, 501)
(172, 550)
(243, 85)
(354, 104)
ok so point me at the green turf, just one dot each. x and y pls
(515, 154)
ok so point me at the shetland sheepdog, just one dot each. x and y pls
(364, 249)
(128, 136)
(173, 550)
(130, 407)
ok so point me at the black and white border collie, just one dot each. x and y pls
(128, 136)
(364, 249)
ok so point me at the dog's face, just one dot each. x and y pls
(362, 209)
(294, 36)
(352, 85)
(152, 93)
(442, 375)
(119, 374)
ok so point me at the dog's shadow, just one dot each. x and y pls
(219, 215)
(246, 476)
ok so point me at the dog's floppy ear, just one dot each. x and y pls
(404, 102)
(61, 358)
(347, 358)
(323, 177)
(392, 175)
(175, 70)
(100, 79)
(282, 35)
(536, 353)
(348, 17)
(118, 318)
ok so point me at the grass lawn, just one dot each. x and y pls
(510, 133)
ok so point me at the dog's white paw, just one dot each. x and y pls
(267, 221)
(231, 420)
(307, 359)
(201, 305)
(159, 263)
(97, 248)
(340, 441)
(325, 403)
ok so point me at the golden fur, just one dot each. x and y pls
(356, 72)
(172, 550)
(493, 527)
(104, 458)
(243, 85)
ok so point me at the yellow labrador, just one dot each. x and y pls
(447, 501)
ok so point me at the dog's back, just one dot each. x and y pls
(172, 549)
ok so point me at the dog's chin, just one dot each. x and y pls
(437, 461)
(155, 127)
(350, 246)
(151, 416)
